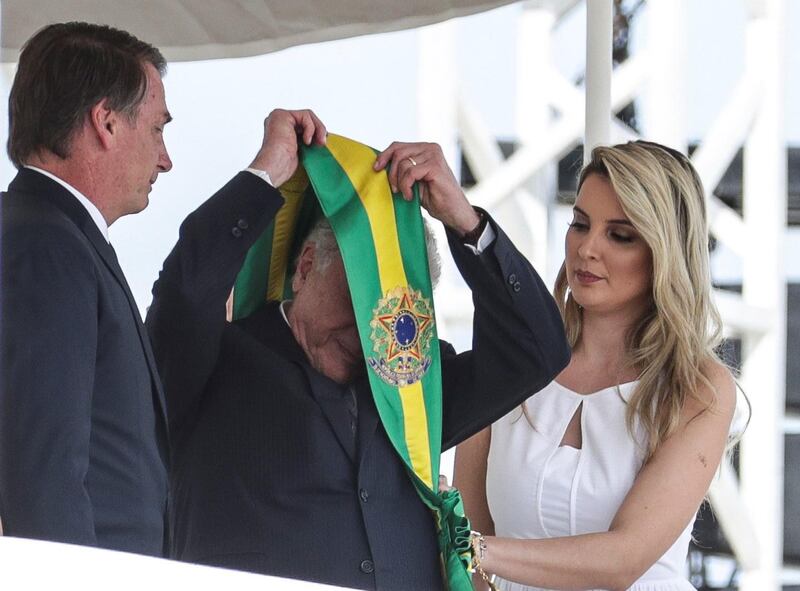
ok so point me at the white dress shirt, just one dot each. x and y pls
(94, 213)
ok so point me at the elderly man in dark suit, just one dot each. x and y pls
(280, 462)
(83, 440)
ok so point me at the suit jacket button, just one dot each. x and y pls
(237, 232)
(363, 494)
(242, 223)
(517, 286)
(512, 279)
(366, 566)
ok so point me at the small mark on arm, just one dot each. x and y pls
(703, 460)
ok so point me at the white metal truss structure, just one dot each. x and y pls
(554, 115)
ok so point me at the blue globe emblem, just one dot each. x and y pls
(405, 329)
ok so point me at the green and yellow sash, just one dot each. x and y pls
(267, 270)
(382, 242)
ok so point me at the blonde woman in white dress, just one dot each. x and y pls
(595, 482)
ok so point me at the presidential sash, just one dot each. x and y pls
(267, 270)
(382, 242)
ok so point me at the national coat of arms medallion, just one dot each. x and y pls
(402, 330)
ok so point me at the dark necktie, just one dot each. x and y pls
(352, 407)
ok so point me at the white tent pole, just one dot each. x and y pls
(437, 110)
(666, 92)
(599, 32)
(437, 85)
(528, 209)
(437, 121)
(764, 285)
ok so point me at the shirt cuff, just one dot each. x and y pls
(262, 174)
(485, 240)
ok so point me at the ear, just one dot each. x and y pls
(103, 123)
(304, 265)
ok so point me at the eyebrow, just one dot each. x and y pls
(622, 221)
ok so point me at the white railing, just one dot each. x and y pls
(31, 564)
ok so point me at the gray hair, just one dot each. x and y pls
(326, 247)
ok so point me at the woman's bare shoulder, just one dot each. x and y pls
(717, 393)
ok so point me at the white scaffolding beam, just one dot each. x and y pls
(599, 36)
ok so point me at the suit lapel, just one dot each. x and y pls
(30, 181)
(109, 256)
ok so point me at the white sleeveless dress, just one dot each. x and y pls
(537, 489)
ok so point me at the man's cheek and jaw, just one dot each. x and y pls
(324, 324)
(337, 353)
(147, 154)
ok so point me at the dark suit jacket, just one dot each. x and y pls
(82, 423)
(267, 475)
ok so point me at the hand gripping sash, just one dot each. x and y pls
(382, 242)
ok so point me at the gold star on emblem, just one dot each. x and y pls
(404, 308)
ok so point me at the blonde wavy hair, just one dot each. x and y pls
(662, 196)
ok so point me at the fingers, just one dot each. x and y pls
(409, 173)
(386, 156)
(423, 194)
(315, 131)
(408, 163)
(305, 127)
(309, 127)
(302, 123)
(383, 160)
(320, 131)
(283, 131)
(439, 191)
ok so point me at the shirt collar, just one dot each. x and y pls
(94, 213)
(282, 308)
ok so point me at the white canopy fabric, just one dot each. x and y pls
(187, 30)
